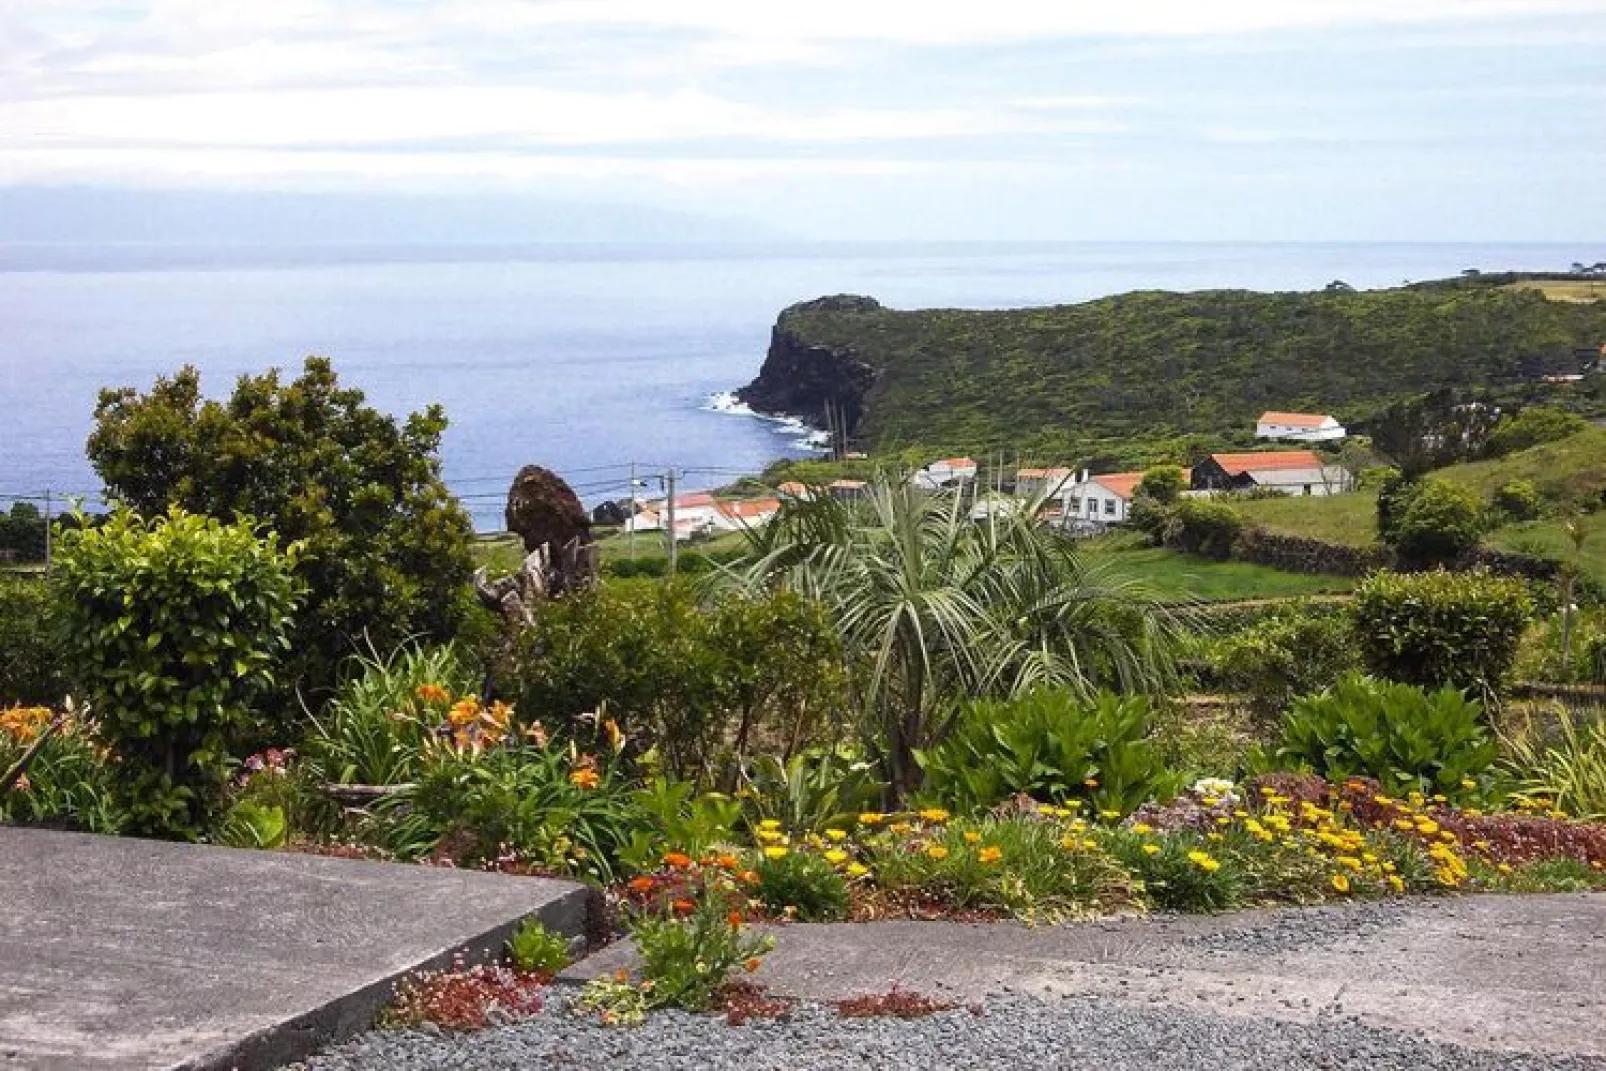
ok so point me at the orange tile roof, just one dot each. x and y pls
(695, 500)
(744, 509)
(956, 462)
(1295, 420)
(1266, 461)
(793, 488)
(1122, 484)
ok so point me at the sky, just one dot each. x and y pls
(1365, 120)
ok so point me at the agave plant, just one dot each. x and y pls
(934, 606)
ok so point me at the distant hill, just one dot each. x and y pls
(1125, 379)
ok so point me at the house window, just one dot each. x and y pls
(1109, 507)
(1074, 503)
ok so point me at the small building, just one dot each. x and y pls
(1102, 499)
(1289, 472)
(1298, 427)
(738, 514)
(848, 490)
(794, 489)
(1032, 482)
(948, 473)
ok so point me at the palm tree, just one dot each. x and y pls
(934, 606)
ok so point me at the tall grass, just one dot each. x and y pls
(1568, 769)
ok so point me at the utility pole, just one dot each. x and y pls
(669, 478)
(47, 532)
(630, 521)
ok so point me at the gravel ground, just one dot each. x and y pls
(1011, 1032)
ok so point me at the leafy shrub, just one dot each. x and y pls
(1437, 628)
(1051, 746)
(250, 824)
(1430, 521)
(1294, 650)
(28, 659)
(802, 884)
(1164, 483)
(375, 729)
(1532, 426)
(674, 816)
(1409, 739)
(174, 630)
(696, 684)
(387, 554)
(536, 950)
(1204, 526)
(1517, 500)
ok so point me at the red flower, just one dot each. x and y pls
(683, 907)
(735, 919)
(678, 860)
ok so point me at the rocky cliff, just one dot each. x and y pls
(818, 384)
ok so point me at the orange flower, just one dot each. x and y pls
(642, 885)
(464, 712)
(432, 693)
(753, 964)
(585, 778)
(735, 919)
(621, 976)
(749, 876)
(989, 854)
(683, 907)
(728, 862)
(677, 860)
(616, 737)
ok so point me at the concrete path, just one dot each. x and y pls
(122, 953)
(1516, 974)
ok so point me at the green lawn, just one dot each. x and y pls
(503, 553)
(1350, 518)
(1572, 469)
(1178, 576)
(1549, 539)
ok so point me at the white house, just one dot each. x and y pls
(1298, 427)
(949, 472)
(1102, 499)
(1291, 472)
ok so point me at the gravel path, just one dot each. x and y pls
(1015, 1032)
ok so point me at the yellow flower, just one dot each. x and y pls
(934, 814)
(871, 818)
(972, 837)
(1504, 868)
(1349, 861)
(1151, 849)
(1142, 828)
(770, 823)
(837, 835)
(857, 870)
(989, 854)
(836, 856)
(775, 851)
(937, 851)
(1397, 883)
(1204, 861)
(900, 828)
(1109, 815)
(1341, 883)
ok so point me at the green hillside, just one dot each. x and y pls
(1123, 378)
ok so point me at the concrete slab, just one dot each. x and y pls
(126, 953)
(1509, 973)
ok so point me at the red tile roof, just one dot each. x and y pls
(1121, 484)
(1266, 461)
(695, 500)
(1295, 420)
(746, 509)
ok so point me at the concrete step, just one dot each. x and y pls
(125, 953)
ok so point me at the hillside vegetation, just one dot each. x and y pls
(1124, 378)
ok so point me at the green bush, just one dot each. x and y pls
(1294, 650)
(387, 549)
(811, 791)
(1461, 629)
(1164, 483)
(173, 630)
(1051, 746)
(1430, 521)
(1409, 739)
(1532, 426)
(536, 950)
(29, 670)
(1204, 526)
(1517, 501)
(803, 883)
(68, 782)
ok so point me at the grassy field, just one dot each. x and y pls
(503, 553)
(1578, 290)
(1549, 539)
(1347, 519)
(1574, 468)
(1180, 576)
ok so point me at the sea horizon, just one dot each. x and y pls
(599, 360)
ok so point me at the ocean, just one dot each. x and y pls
(599, 361)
